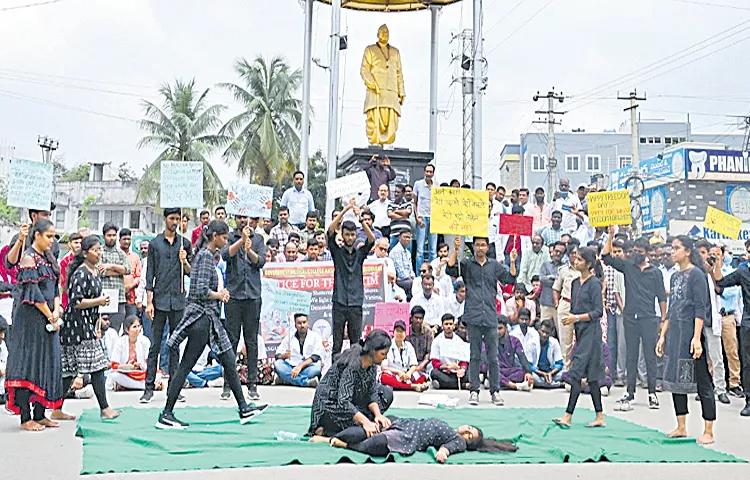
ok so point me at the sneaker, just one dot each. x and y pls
(723, 398)
(167, 421)
(251, 412)
(653, 402)
(604, 390)
(625, 403)
(435, 385)
(85, 392)
(736, 392)
(252, 392)
(497, 399)
(746, 411)
(181, 398)
(313, 382)
(523, 387)
(226, 393)
(219, 382)
(147, 396)
(619, 383)
(474, 398)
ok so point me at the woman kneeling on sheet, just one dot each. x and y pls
(349, 394)
(408, 435)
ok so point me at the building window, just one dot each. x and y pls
(135, 220)
(667, 140)
(60, 219)
(572, 163)
(93, 219)
(683, 140)
(114, 216)
(593, 163)
(624, 161)
(657, 139)
(650, 139)
(643, 139)
(538, 163)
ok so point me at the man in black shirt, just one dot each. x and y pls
(348, 290)
(169, 257)
(245, 255)
(644, 285)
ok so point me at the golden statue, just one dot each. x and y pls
(381, 71)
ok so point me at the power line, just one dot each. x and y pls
(30, 5)
(519, 27)
(78, 79)
(507, 14)
(711, 4)
(19, 96)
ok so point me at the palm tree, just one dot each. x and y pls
(183, 128)
(265, 136)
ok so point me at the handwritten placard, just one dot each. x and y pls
(348, 186)
(284, 299)
(609, 208)
(459, 211)
(457, 350)
(181, 185)
(723, 223)
(516, 225)
(30, 184)
(388, 313)
(249, 200)
(114, 300)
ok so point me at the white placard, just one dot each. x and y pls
(181, 185)
(30, 184)
(114, 300)
(348, 186)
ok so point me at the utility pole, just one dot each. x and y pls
(304, 154)
(478, 90)
(634, 139)
(434, 13)
(551, 122)
(333, 100)
(467, 91)
(48, 145)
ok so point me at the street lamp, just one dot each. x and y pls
(48, 145)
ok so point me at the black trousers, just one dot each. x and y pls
(162, 318)
(705, 384)
(22, 400)
(97, 382)
(243, 316)
(356, 439)
(575, 392)
(349, 318)
(197, 335)
(448, 380)
(744, 341)
(639, 330)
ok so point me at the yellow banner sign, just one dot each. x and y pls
(723, 223)
(609, 208)
(459, 211)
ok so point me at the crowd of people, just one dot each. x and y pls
(571, 306)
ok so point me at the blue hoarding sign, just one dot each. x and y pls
(718, 164)
(654, 208)
(663, 168)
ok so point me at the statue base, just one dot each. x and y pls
(408, 164)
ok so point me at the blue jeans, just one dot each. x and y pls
(284, 371)
(164, 352)
(201, 379)
(421, 233)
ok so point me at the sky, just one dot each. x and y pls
(77, 70)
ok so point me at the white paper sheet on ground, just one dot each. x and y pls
(114, 297)
(437, 399)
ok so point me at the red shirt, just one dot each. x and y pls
(64, 277)
(197, 234)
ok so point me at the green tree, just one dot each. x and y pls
(60, 169)
(125, 173)
(183, 129)
(83, 219)
(79, 173)
(265, 136)
(7, 213)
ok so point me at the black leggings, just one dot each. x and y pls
(575, 392)
(705, 385)
(356, 439)
(97, 381)
(198, 334)
(22, 400)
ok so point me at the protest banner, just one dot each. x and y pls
(455, 350)
(609, 208)
(516, 225)
(181, 185)
(348, 186)
(723, 223)
(249, 200)
(388, 313)
(316, 279)
(30, 184)
(459, 211)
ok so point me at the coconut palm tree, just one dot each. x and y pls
(265, 136)
(183, 129)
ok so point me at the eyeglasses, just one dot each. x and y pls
(423, 271)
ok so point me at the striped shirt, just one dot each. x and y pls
(400, 225)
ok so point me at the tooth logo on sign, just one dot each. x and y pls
(698, 163)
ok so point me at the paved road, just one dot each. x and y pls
(56, 454)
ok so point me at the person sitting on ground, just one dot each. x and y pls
(548, 371)
(510, 356)
(272, 246)
(290, 252)
(400, 367)
(394, 293)
(401, 256)
(369, 218)
(325, 254)
(420, 338)
(298, 358)
(108, 334)
(440, 270)
(455, 303)
(409, 435)
(129, 358)
(449, 356)
(202, 374)
(313, 251)
(430, 301)
(518, 302)
(529, 337)
(605, 385)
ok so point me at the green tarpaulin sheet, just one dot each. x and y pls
(216, 439)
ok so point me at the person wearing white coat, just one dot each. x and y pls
(129, 358)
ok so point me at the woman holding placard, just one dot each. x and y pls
(82, 349)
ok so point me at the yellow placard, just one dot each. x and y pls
(723, 223)
(459, 211)
(609, 208)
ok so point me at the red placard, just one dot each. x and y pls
(516, 225)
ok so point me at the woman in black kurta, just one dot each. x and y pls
(350, 394)
(33, 375)
(585, 313)
(682, 343)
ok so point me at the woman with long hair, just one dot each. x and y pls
(33, 375)
(350, 395)
(202, 326)
(82, 349)
(129, 358)
(682, 343)
(585, 312)
(409, 435)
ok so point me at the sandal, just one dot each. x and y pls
(561, 424)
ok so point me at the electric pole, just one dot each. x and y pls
(633, 97)
(551, 122)
(467, 91)
(746, 142)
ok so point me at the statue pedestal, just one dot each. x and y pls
(408, 164)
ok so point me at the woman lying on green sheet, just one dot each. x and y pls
(408, 435)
